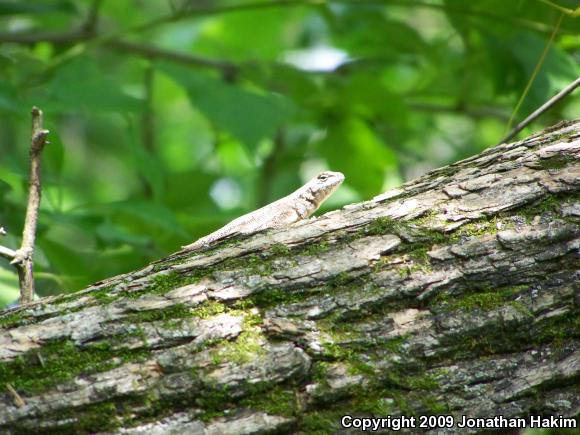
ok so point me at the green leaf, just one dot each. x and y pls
(249, 116)
(53, 154)
(113, 235)
(147, 165)
(8, 98)
(149, 212)
(4, 188)
(352, 148)
(254, 34)
(82, 84)
(68, 261)
(9, 290)
(515, 59)
(355, 29)
(193, 198)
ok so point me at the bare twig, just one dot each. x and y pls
(572, 12)
(92, 19)
(7, 253)
(18, 400)
(87, 30)
(534, 73)
(252, 6)
(148, 124)
(152, 52)
(543, 108)
(23, 257)
(473, 112)
(67, 37)
(4, 251)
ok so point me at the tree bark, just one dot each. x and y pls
(456, 294)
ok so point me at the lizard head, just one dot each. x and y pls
(322, 186)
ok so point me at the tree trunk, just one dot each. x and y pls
(455, 294)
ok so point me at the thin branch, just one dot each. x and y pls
(87, 30)
(7, 253)
(148, 123)
(92, 20)
(23, 258)
(73, 36)
(18, 400)
(151, 52)
(148, 115)
(534, 73)
(4, 251)
(572, 12)
(253, 6)
(473, 112)
(543, 108)
(215, 10)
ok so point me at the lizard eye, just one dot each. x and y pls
(322, 177)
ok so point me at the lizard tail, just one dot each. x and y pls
(195, 245)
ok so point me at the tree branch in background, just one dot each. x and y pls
(4, 251)
(23, 257)
(148, 123)
(534, 73)
(543, 108)
(572, 12)
(92, 20)
(152, 52)
(472, 112)
(7, 253)
(187, 13)
(87, 30)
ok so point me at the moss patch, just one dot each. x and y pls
(381, 226)
(177, 311)
(558, 161)
(161, 284)
(314, 249)
(15, 319)
(59, 361)
(486, 300)
(246, 347)
(279, 249)
(277, 401)
(273, 297)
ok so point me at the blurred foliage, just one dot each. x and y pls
(170, 118)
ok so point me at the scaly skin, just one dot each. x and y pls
(288, 210)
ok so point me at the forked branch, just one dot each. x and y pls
(22, 258)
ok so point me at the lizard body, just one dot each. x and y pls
(288, 210)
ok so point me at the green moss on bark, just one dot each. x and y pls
(59, 361)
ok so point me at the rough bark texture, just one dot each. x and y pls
(454, 294)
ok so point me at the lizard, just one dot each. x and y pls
(295, 207)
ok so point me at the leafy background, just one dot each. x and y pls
(170, 118)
